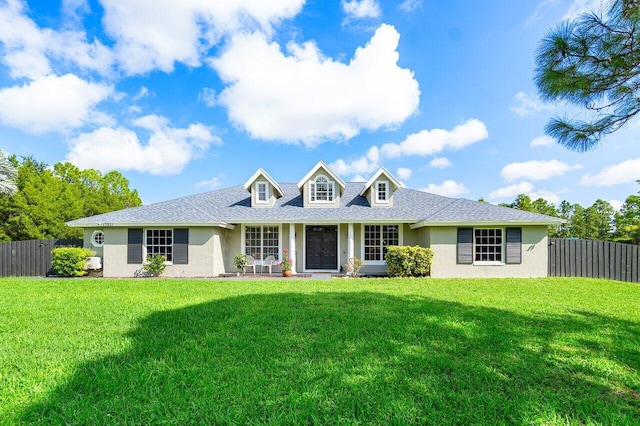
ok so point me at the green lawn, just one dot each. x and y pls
(380, 351)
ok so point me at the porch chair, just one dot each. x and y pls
(251, 263)
(268, 262)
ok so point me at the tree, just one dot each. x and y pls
(628, 220)
(8, 175)
(592, 62)
(49, 197)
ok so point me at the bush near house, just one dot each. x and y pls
(407, 261)
(155, 264)
(70, 261)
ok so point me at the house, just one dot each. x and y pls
(322, 221)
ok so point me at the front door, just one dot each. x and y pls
(322, 247)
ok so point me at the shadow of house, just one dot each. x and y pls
(352, 358)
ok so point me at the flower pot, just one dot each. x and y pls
(287, 273)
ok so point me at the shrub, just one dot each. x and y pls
(406, 261)
(70, 261)
(353, 266)
(155, 264)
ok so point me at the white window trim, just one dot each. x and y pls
(331, 188)
(400, 240)
(489, 262)
(144, 243)
(243, 237)
(266, 191)
(93, 236)
(386, 191)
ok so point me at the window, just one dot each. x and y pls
(97, 239)
(382, 192)
(377, 238)
(262, 191)
(262, 241)
(160, 241)
(322, 190)
(487, 245)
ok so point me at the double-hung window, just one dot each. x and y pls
(376, 240)
(322, 189)
(382, 192)
(262, 192)
(160, 241)
(262, 241)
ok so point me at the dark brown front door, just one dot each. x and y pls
(322, 247)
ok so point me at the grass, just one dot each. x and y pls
(148, 351)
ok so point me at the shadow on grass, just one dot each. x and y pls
(357, 358)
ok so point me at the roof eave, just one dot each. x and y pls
(424, 223)
(220, 224)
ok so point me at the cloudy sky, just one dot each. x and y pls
(192, 95)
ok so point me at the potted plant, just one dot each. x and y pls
(240, 262)
(286, 264)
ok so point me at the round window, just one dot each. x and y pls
(97, 238)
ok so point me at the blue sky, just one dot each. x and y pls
(187, 96)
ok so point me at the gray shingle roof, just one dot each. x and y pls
(233, 205)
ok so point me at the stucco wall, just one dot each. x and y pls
(204, 254)
(534, 256)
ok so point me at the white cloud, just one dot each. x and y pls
(428, 142)
(358, 9)
(616, 204)
(543, 140)
(167, 151)
(536, 170)
(364, 165)
(448, 188)
(440, 163)
(358, 178)
(511, 190)
(208, 96)
(53, 104)
(410, 5)
(578, 7)
(212, 183)
(627, 171)
(28, 49)
(404, 173)
(528, 104)
(547, 195)
(156, 34)
(307, 97)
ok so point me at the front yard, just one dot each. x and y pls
(380, 351)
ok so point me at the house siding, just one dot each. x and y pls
(534, 256)
(205, 254)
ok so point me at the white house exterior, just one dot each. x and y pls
(323, 222)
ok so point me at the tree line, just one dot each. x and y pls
(600, 221)
(43, 198)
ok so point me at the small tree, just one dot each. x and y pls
(155, 264)
(240, 262)
(353, 266)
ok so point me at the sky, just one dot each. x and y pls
(186, 96)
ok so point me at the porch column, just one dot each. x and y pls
(350, 252)
(292, 247)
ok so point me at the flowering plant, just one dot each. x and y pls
(286, 262)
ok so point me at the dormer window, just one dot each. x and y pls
(262, 192)
(382, 192)
(322, 190)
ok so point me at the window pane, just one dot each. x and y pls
(160, 241)
(488, 245)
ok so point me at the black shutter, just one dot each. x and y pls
(181, 246)
(514, 245)
(134, 246)
(465, 246)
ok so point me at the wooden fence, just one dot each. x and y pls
(593, 259)
(31, 258)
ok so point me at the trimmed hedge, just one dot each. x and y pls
(407, 261)
(70, 261)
